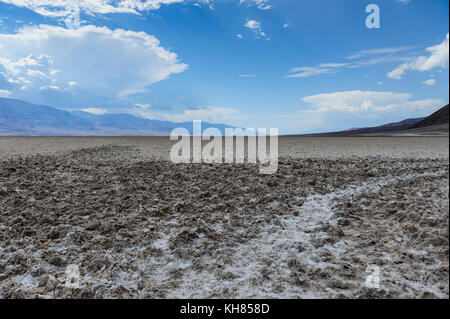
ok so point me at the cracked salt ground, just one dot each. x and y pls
(142, 228)
(281, 246)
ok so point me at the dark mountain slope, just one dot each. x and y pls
(437, 118)
(390, 127)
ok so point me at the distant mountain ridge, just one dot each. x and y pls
(390, 127)
(22, 118)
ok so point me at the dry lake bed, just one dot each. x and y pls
(138, 226)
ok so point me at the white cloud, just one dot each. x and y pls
(253, 24)
(240, 36)
(50, 87)
(30, 71)
(105, 62)
(22, 65)
(438, 58)
(95, 111)
(5, 93)
(256, 27)
(368, 103)
(286, 25)
(429, 82)
(247, 75)
(334, 67)
(360, 59)
(33, 73)
(378, 60)
(304, 72)
(207, 114)
(260, 4)
(199, 3)
(143, 106)
(343, 110)
(62, 8)
(323, 68)
(379, 51)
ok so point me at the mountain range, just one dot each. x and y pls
(22, 118)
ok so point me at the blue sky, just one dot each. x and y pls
(300, 66)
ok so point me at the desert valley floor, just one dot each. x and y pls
(139, 226)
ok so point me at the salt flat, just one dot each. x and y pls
(301, 147)
(139, 226)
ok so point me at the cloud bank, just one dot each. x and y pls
(99, 60)
(208, 114)
(333, 111)
(62, 8)
(369, 103)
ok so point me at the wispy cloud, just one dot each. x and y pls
(5, 93)
(363, 58)
(438, 58)
(143, 106)
(304, 72)
(256, 27)
(95, 111)
(50, 88)
(332, 65)
(208, 114)
(378, 51)
(429, 82)
(260, 4)
(247, 75)
(378, 60)
(323, 68)
(72, 83)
